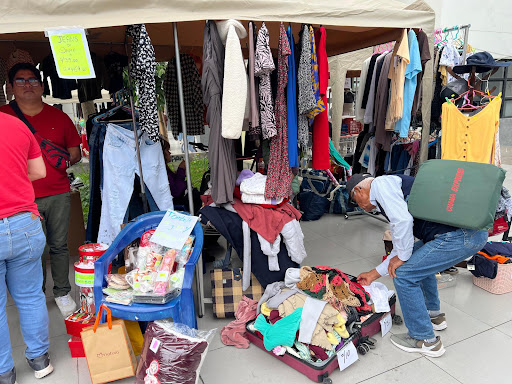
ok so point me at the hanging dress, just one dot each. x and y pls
(321, 158)
(221, 154)
(263, 67)
(306, 100)
(279, 177)
(291, 100)
(254, 120)
(142, 70)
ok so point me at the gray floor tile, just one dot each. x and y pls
(482, 305)
(208, 321)
(505, 328)
(461, 326)
(56, 323)
(466, 360)
(323, 251)
(420, 371)
(65, 367)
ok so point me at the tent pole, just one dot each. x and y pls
(199, 267)
(136, 136)
(183, 121)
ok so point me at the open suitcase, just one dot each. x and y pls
(320, 371)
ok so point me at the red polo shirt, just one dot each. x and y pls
(52, 124)
(17, 146)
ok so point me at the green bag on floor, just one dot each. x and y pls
(458, 193)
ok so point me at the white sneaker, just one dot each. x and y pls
(66, 305)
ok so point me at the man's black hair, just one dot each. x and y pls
(20, 66)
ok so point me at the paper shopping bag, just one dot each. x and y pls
(135, 335)
(108, 350)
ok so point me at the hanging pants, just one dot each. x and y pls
(120, 166)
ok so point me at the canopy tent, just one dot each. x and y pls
(350, 25)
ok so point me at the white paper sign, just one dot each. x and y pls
(347, 356)
(71, 53)
(471, 267)
(385, 324)
(174, 229)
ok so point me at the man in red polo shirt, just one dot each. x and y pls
(21, 246)
(52, 192)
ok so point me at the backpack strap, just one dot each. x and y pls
(15, 107)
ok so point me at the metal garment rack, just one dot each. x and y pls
(199, 265)
(425, 132)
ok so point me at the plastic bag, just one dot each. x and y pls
(172, 353)
(119, 296)
(117, 281)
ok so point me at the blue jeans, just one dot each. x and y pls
(22, 242)
(416, 283)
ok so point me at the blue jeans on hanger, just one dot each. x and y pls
(22, 242)
(416, 283)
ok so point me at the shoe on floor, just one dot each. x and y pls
(408, 344)
(8, 377)
(66, 305)
(41, 366)
(439, 322)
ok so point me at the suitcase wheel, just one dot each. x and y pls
(346, 217)
(363, 349)
(327, 381)
(397, 320)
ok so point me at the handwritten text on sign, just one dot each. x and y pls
(385, 324)
(71, 54)
(347, 356)
(174, 229)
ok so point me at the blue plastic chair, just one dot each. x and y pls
(181, 309)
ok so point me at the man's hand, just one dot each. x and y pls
(366, 278)
(394, 263)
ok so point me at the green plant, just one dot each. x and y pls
(85, 193)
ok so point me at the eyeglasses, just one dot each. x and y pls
(21, 82)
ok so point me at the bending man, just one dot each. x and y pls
(413, 265)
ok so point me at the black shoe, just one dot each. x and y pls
(8, 377)
(41, 366)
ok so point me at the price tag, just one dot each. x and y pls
(471, 267)
(385, 324)
(347, 356)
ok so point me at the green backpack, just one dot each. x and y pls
(457, 193)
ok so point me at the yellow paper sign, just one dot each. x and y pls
(71, 54)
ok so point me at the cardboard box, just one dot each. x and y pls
(78, 321)
(76, 347)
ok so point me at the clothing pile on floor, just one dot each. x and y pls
(485, 263)
(309, 314)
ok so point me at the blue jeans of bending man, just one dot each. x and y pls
(416, 283)
(22, 242)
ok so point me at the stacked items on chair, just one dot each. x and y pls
(84, 279)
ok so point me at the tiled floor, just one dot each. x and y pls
(478, 340)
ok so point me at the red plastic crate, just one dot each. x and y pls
(76, 347)
(78, 321)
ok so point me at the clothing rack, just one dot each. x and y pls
(458, 28)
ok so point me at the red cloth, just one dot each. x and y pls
(234, 332)
(56, 126)
(17, 146)
(321, 158)
(274, 317)
(267, 222)
(318, 351)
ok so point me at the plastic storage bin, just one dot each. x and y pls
(499, 285)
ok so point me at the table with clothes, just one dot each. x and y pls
(308, 313)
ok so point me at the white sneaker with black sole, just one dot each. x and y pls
(41, 366)
(66, 305)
